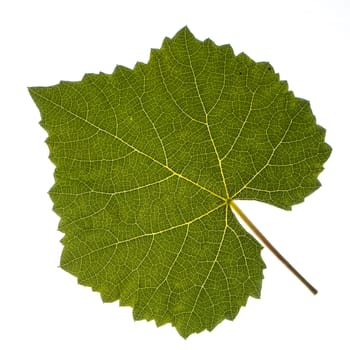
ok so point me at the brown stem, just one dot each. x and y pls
(271, 247)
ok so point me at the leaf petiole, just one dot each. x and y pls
(268, 245)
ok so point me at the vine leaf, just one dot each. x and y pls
(148, 163)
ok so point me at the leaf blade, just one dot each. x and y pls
(147, 162)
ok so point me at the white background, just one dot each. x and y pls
(43, 42)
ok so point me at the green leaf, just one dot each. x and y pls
(148, 161)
